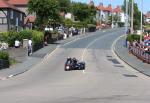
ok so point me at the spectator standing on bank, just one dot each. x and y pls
(29, 47)
(17, 43)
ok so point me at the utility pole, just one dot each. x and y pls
(126, 23)
(112, 14)
(132, 12)
(100, 13)
(141, 20)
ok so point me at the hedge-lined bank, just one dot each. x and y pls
(4, 60)
(11, 36)
(132, 37)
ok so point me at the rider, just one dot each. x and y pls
(74, 61)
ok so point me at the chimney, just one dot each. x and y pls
(109, 5)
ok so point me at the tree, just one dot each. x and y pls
(45, 10)
(83, 12)
(64, 5)
(137, 17)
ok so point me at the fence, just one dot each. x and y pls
(140, 53)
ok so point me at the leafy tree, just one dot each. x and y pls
(83, 12)
(116, 17)
(64, 5)
(80, 11)
(137, 13)
(45, 10)
(137, 17)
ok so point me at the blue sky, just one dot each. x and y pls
(146, 3)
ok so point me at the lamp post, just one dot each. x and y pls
(126, 23)
(141, 20)
(112, 25)
(132, 10)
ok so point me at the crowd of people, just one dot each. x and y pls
(143, 45)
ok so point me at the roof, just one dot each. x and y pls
(18, 2)
(148, 15)
(30, 19)
(4, 4)
(109, 8)
(117, 9)
(103, 8)
(91, 3)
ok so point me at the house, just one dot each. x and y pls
(29, 21)
(20, 4)
(147, 17)
(117, 11)
(104, 14)
(10, 17)
(69, 16)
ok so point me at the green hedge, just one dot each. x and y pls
(11, 36)
(121, 24)
(4, 55)
(37, 36)
(91, 27)
(132, 37)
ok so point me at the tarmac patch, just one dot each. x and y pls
(128, 75)
(119, 66)
(115, 61)
(39, 55)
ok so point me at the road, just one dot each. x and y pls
(105, 80)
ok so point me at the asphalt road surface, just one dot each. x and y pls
(105, 79)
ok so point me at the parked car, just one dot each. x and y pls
(75, 32)
(74, 64)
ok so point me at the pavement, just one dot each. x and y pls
(131, 60)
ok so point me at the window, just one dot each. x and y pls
(11, 14)
(4, 20)
(1, 21)
(20, 16)
(16, 21)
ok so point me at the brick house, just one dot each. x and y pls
(10, 17)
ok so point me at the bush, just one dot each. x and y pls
(10, 37)
(37, 37)
(4, 55)
(91, 27)
(25, 34)
(132, 37)
(121, 24)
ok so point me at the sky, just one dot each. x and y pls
(146, 3)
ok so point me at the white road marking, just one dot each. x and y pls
(71, 41)
(86, 48)
(10, 76)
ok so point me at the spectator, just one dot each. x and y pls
(17, 43)
(4, 46)
(29, 47)
(65, 35)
